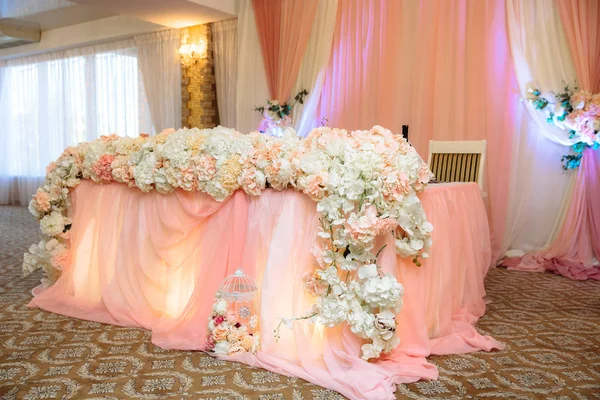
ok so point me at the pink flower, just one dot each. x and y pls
(231, 317)
(579, 99)
(210, 343)
(315, 186)
(60, 259)
(51, 167)
(102, 168)
(219, 320)
(43, 200)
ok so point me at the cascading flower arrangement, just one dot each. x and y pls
(276, 117)
(365, 184)
(576, 111)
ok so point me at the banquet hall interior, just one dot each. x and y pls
(300, 199)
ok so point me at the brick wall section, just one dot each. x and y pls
(198, 89)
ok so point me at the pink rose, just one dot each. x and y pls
(60, 259)
(51, 167)
(220, 333)
(210, 343)
(247, 342)
(43, 200)
(219, 320)
(102, 168)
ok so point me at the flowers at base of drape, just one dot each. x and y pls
(575, 251)
(284, 28)
(276, 117)
(160, 65)
(252, 83)
(365, 184)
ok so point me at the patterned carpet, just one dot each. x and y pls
(551, 326)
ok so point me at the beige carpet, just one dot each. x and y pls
(551, 326)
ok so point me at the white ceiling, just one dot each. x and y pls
(53, 14)
(75, 23)
(171, 14)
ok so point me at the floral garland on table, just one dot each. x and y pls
(576, 111)
(276, 117)
(365, 184)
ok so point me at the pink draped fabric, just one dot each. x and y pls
(284, 29)
(576, 250)
(444, 68)
(268, 24)
(155, 261)
(581, 23)
(148, 260)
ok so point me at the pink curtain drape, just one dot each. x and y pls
(577, 246)
(283, 29)
(444, 68)
(581, 23)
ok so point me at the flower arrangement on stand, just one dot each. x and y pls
(276, 117)
(365, 184)
(576, 111)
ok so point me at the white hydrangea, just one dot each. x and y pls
(383, 292)
(53, 224)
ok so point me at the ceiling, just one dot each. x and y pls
(76, 23)
(53, 14)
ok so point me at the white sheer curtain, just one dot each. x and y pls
(60, 99)
(540, 189)
(160, 65)
(225, 47)
(314, 65)
(252, 88)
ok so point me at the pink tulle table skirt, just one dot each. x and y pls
(155, 261)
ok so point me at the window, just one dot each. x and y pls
(49, 104)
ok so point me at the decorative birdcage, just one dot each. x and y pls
(233, 324)
(241, 294)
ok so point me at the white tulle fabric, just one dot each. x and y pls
(314, 65)
(540, 190)
(252, 87)
(226, 50)
(60, 99)
(160, 65)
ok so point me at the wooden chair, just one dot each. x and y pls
(457, 161)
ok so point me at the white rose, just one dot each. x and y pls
(369, 350)
(222, 348)
(220, 307)
(53, 224)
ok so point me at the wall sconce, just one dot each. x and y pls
(192, 53)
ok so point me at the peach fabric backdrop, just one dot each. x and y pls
(155, 261)
(444, 68)
(284, 29)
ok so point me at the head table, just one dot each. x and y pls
(155, 261)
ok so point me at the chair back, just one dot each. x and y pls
(457, 161)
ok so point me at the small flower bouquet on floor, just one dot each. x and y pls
(232, 326)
